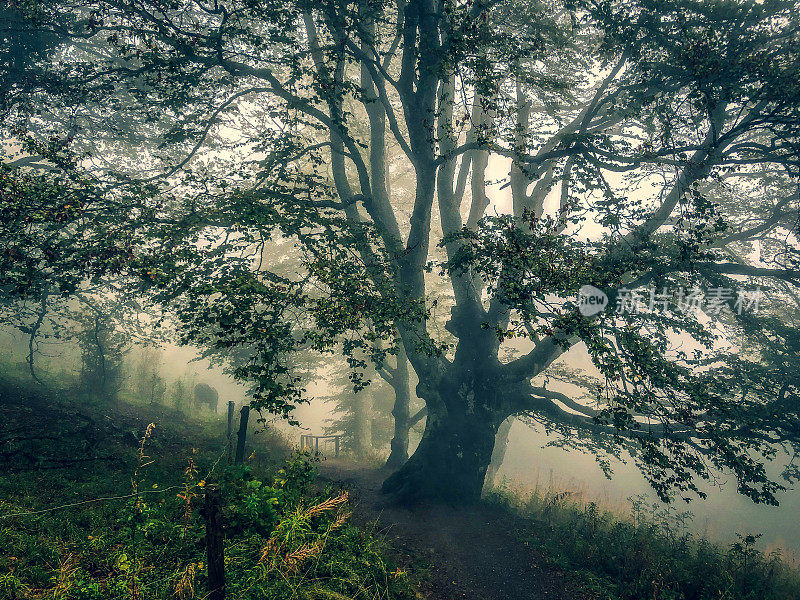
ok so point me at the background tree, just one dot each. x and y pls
(179, 393)
(103, 350)
(147, 383)
(64, 245)
(365, 417)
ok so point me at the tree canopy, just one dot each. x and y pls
(643, 143)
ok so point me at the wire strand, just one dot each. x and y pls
(104, 499)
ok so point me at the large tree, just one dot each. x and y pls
(634, 134)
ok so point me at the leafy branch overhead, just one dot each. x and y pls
(628, 143)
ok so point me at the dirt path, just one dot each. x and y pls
(473, 552)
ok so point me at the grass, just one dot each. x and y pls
(286, 536)
(650, 556)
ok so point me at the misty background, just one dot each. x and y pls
(529, 463)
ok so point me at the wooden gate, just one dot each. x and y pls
(312, 441)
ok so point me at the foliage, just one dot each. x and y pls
(633, 131)
(650, 556)
(287, 537)
(677, 411)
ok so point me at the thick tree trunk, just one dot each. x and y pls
(401, 413)
(450, 462)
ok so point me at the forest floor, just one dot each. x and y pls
(469, 552)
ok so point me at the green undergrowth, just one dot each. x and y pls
(142, 535)
(649, 557)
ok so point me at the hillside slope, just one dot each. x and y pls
(101, 502)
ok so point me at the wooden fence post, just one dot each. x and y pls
(242, 434)
(215, 544)
(229, 441)
(337, 445)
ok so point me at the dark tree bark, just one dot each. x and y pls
(450, 463)
(33, 332)
(229, 440)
